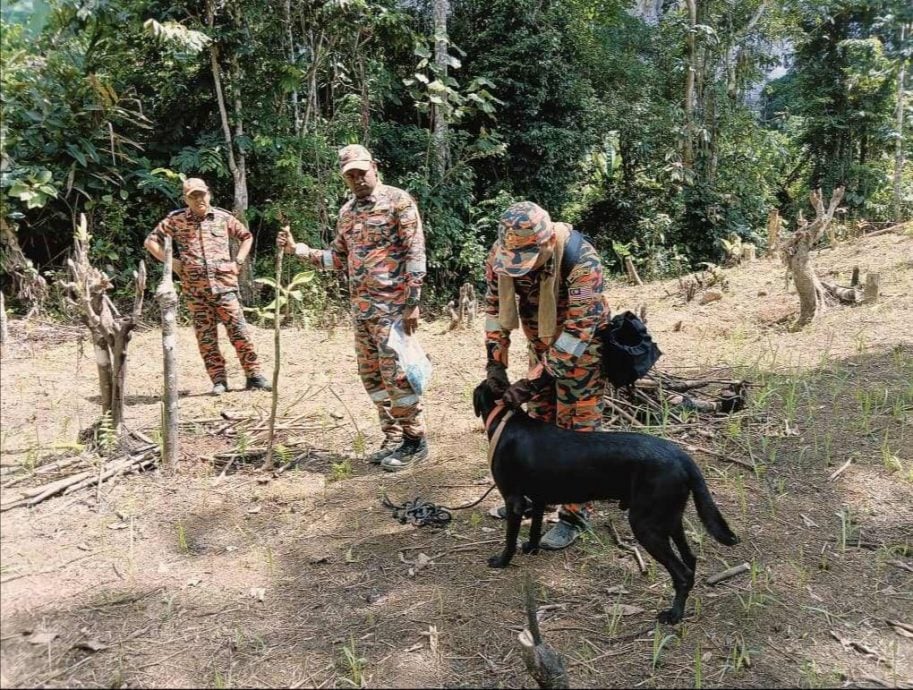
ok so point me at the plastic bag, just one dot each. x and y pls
(411, 357)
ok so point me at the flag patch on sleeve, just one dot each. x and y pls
(580, 294)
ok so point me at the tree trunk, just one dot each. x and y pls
(167, 299)
(899, 143)
(439, 112)
(691, 70)
(292, 60)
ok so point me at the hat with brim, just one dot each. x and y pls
(354, 157)
(194, 184)
(523, 230)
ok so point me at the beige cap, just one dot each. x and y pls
(194, 184)
(354, 157)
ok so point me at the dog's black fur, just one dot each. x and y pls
(650, 476)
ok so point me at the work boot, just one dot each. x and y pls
(386, 448)
(219, 387)
(409, 452)
(257, 382)
(568, 528)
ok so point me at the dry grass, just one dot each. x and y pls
(190, 580)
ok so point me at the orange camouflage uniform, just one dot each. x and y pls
(210, 281)
(380, 243)
(573, 358)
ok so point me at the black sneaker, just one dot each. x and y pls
(219, 387)
(410, 452)
(500, 513)
(565, 532)
(386, 448)
(257, 382)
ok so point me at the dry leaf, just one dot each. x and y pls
(258, 593)
(90, 645)
(254, 510)
(118, 525)
(42, 637)
(625, 609)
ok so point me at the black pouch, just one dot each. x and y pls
(628, 351)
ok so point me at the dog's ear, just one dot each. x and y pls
(478, 399)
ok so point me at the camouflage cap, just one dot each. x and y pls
(524, 229)
(354, 157)
(194, 184)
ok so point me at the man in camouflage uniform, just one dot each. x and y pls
(209, 278)
(557, 276)
(380, 243)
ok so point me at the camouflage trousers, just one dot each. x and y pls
(398, 407)
(573, 402)
(208, 310)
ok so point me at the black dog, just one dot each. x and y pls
(650, 476)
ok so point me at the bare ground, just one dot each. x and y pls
(195, 580)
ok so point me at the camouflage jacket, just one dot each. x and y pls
(581, 310)
(379, 240)
(203, 245)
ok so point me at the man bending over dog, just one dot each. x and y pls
(558, 278)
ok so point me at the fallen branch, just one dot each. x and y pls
(840, 469)
(727, 574)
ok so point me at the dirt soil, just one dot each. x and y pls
(196, 579)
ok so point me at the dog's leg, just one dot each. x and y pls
(655, 539)
(678, 536)
(515, 505)
(535, 529)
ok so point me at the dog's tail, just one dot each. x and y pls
(706, 507)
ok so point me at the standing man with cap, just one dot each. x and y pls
(209, 278)
(380, 243)
(548, 278)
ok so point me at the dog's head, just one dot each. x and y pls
(484, 399)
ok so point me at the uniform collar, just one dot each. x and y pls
(209, 215)
(370, 199)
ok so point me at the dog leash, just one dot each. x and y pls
(422, 513)
(495, 437)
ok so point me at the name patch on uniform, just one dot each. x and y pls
(580, 294)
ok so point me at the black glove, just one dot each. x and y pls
(496, 377)
(524, 389)
(519, 393)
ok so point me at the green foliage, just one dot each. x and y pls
(574, 104)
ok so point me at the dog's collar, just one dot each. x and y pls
(496, 436)
(499, 407)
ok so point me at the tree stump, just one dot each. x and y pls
(468, 303)
(870, 293)
(109, 329)
(632, 272)
(4, 332)
(796, 254)
(167, 299)
(544, 664)
(749, 252)
(773, 231)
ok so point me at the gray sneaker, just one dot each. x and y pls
(219, 387)
(386, 448)
(410, 452)
(565, 532)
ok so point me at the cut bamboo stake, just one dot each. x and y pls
(277, 352)
(167, 298)
(728, 573)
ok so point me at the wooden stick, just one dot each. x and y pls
(728, 573)
(277, 353)
(167, 298)
(840, 469)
